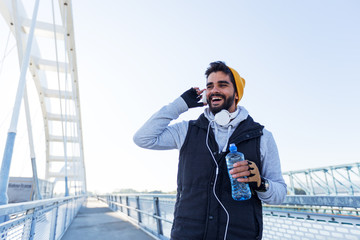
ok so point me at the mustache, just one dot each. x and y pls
(216, 95)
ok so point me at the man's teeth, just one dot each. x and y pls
(216, 98)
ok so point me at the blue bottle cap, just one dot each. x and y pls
(232, 147)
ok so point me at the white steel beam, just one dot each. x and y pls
(53, 138)
(44, 29)
(62, 159)
(49, 65)
(58, 117)
(58, 94)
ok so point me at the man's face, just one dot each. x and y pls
(220, 93)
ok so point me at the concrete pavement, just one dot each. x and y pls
(96, 221)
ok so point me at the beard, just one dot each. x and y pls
(228, 102)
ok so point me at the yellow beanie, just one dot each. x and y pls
(239, 82)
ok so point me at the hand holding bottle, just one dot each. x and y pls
(246, 169)
(240, 191)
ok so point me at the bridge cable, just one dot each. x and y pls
(2, 61)
(67, 103)
(60, 98)
(4, 55)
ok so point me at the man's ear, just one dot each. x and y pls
(236, 96)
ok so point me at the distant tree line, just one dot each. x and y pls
(130, 190)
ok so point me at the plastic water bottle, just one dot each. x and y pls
(240, 191)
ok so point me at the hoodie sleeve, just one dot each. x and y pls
(157, 134)
(271, 170)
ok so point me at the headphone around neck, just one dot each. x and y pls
(224, 117)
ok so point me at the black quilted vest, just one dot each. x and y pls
(198, 215)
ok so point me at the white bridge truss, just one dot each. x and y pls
(332, 180)
(53, 68)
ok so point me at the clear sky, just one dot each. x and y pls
(300, 60)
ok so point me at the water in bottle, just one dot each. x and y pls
(240, 191)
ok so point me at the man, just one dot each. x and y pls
(204, 207)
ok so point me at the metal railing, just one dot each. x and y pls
(43, 219)
(300, 217)
(152, 213)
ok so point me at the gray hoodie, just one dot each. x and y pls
(157, 134)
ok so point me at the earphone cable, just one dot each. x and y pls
(216, 175)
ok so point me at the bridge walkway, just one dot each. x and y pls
(95, 220)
